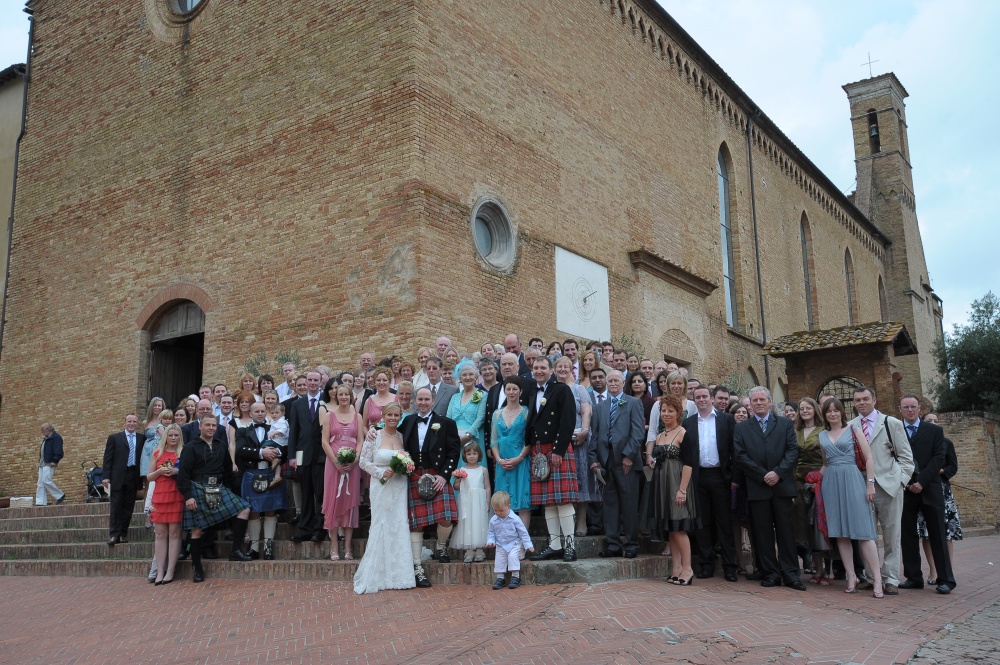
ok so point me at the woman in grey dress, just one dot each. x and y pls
(847, 496)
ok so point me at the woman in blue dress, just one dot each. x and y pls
(847, 497)
(468, 407)
(513, 472)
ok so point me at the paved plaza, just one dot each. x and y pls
(112, 620)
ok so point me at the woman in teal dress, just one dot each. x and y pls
(468, 407)
(513, 472)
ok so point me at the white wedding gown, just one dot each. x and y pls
(387, 562)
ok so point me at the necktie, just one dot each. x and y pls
(866, 427)
(131, 450)
(910, 431)
(614, 411)
(763, 425)
(312, 407)
(600, 398)
(434, 392)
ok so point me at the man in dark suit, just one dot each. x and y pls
(441, 392)
(298, 390)
(924, 494)
(304, 435)
(120, 472)
(512, 344)
(766, 451)
(619, 430)
(192, 430)
(48, 460)
(712, 432)
(549, 430)
(432, 442)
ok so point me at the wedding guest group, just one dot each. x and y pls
(598, 441)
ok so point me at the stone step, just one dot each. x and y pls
(71, 521)
(595, 571)
(141, 547)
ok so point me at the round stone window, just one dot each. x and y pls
(184, 7)
(493, 234)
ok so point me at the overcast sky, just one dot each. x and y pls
(792, 59)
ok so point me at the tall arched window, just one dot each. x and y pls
(807, 271)
(728, 261)
(852, 299)
(883, 302)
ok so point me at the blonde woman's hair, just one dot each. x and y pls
(149, 410)
(500, 500)
(162, 444)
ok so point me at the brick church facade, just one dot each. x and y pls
(355, 176)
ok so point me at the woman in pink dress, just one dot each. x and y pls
(381, 399)
(342, 482)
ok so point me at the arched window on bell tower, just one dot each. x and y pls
(874, 142)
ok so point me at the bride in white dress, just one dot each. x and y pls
(387, 562)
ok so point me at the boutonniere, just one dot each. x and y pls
(543, 401)
(477, 397)
(436, 426)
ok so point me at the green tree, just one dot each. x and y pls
(969, 361)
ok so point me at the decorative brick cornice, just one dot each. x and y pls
(657, 266)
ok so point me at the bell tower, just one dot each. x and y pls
(885, 194)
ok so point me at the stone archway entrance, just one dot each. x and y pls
(176, 353)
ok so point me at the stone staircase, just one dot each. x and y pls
(71, 540)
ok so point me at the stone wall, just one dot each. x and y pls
(976, 436)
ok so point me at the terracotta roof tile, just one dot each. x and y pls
(834, 338)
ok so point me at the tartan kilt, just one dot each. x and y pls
(441, 508)
(202, 518)
(561, 485)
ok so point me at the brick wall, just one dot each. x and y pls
(976, 436)
(314, 175)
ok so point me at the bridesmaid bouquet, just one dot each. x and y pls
(401, 464)
(346, 455)
(459, 475)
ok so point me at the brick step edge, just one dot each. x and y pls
(590, 571)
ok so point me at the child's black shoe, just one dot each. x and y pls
(514, 582)
(498, 584)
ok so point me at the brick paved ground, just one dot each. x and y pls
(975, 640)
(71, 620)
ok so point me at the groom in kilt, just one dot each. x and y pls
(433, 444)
(550, 423)
(205, 464)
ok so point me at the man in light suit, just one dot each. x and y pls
(924, 494)
(120, 473)
(441, 392)
(618, 428)
(766, 451)
(893, 460)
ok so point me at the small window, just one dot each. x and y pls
(874, 141)
(728, 258)
(184, 7)
(493, 235)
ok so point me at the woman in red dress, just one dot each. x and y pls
(168, 504)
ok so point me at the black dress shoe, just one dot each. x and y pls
(910, 584)
(797, 585)
(317, 538)
(442, 556)
(122, 540)
(240, 555)
(210, 552)
(942, 588)
(569, 554)
(254, 555)
(770, 582)
(420, 577)
(755, 576)
(730, 576)
(704, 574)
(546, 554)
(268, 550)
(300, 537)
(199, 576)
(60, 499)
(112, 541)
(630, 554)
(610, 554)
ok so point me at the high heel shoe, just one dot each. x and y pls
(852, 589)
(682, 582)
(878, 594)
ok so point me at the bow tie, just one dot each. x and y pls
(264, 425)
(423, 419)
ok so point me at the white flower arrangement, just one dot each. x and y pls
(436, 426)
(543, 401)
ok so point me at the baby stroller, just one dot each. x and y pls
(95, 490)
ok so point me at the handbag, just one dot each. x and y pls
(540, 466)
(859, 455)
(425, 487)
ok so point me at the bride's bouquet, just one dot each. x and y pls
(346, 455)
(401, 464)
